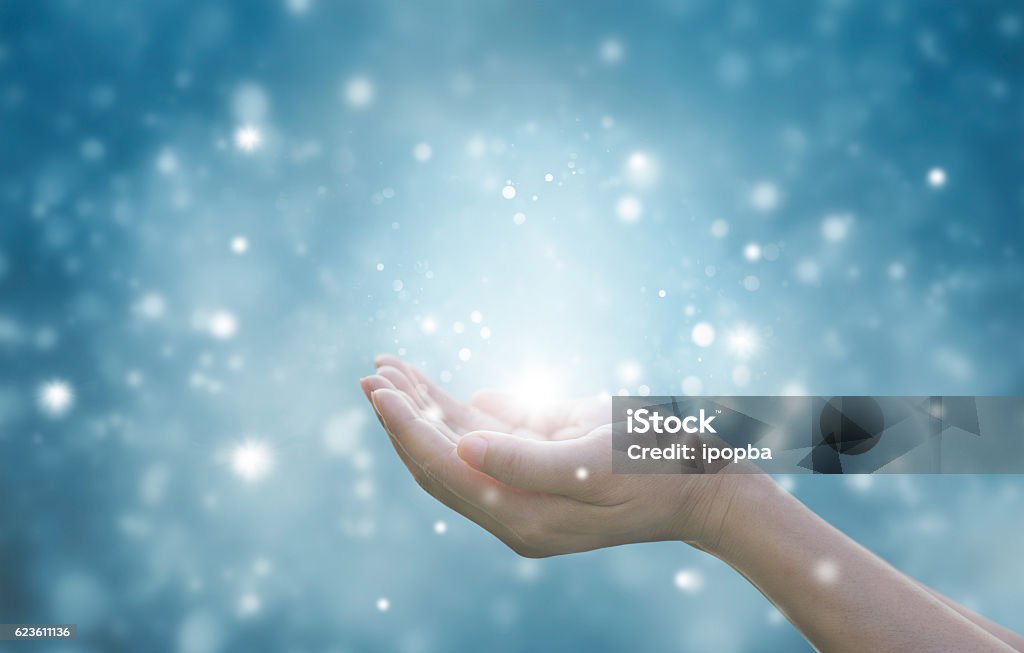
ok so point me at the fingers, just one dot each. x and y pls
(565, 467)
(453, 409)
(441, 491)
(458, 416)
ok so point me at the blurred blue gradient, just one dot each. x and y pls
(216, 213)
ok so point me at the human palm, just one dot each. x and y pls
(539, 478)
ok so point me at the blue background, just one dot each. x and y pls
(807, 129)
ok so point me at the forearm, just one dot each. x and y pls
(1006, 635)
(837, 593)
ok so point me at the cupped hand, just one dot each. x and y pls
(541, 479)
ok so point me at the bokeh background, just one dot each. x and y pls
(214, 214)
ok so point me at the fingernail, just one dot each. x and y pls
(472, 449)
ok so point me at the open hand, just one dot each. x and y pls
(540, 479)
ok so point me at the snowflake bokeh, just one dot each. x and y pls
(216, 214)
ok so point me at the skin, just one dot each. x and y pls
(541, 482)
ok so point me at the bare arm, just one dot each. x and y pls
(519, 476)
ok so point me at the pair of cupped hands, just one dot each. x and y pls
(540, 479)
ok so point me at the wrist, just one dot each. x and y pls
(739, 507)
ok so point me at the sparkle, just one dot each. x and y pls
(630, 371)
(249, 604)
(519, 218)
(612, 51)
(689, 581)
(629, 208)
(662, 293)
(508, 191)
(582, 474)
(836, 227)
(252, 460)
(765, 197)
(55, 397)
(549, 177)
(752, 252)
(465, 354)
(536, 388)
(239, 244)
(440, 527)
(476, 317)
(719, 228)
(641, 169)
(936, 177)
(826, 571)
(742, 342)
(359, 92)
(703, 334)
(422, 152)
(248, 138)
(383, 604)
(222, 325)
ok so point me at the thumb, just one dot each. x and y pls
(549, 466)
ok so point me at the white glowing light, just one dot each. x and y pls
(703, 334)
(809, 272)
(239, 244)
(641, 169)
(298, 7)
(689, 581)
(519, 217)
(465, 354)
(249, 604)
(383, 604)
(440, 527)
(422, 152)
(936, 177)
(836, 227)
(485, 333)
(359, 92)
(612, 51)
(536, 388)
(630, 371)
(428, 325)
(765, 197)
(752, 252)
(719, 228)
(508, 191)
(252, 460)
(662, 293)
(692, 386)
(629, 208)
(549, 177)
(742, 342)
(826, 571)
(582, 473)
(248, 138)
(167, 162)
(476, 317)
(222, 325)
(152, 306)
(55, 397)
